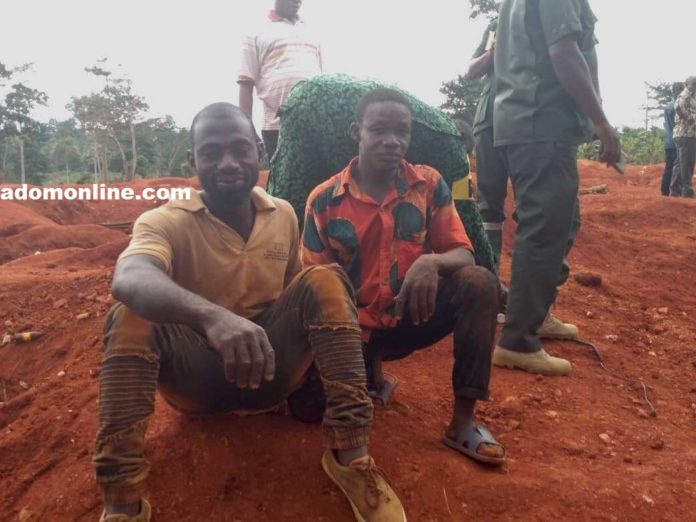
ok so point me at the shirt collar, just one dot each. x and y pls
(407, 178)
(262, 201)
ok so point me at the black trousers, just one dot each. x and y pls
(545, 181)
(670, 159)
(467, 305)
(270, 141)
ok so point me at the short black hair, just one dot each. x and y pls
(379, 96)
(677, 88)
(218, 109)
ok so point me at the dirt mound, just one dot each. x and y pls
(15, 218)
(41, 238)
(73, 259)
(580, 448)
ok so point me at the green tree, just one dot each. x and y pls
(126, 111)
(643, 147)
(657, 96)
(169, 145)
(64, 152)
(114, 112)
(488, 8)
(92, 113)
(461, 98)
(660, 93)
(16, 107)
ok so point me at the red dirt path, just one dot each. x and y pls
(267, 468)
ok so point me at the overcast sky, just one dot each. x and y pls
(182, 56)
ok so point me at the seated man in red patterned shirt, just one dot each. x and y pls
(393, 228)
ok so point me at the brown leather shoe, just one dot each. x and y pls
(366, 488)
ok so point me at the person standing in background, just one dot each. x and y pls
(274, 60)
(491, 175)
(671, 163)
(546, 103)
(685, 140)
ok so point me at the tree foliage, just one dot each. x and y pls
(111, 114)
(461, 98)
(17, 102)
(488, 8)
(108, 133)
(660, 93)
(643, 147)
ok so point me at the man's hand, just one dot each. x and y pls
(244, 346)
(419, 290)
(611, 146)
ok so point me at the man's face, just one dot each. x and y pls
(691, 85)
(288, 8)
(384, 135)
(225, 156)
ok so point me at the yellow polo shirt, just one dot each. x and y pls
(205, 256)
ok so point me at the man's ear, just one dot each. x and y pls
(354, 131)
(191, 162)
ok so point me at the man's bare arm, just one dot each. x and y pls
(573, 72)
(451, 261)
(419, 289)
(141, 283)
(246, 97)
(481, 66)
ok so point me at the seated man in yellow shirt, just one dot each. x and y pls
(215, 311)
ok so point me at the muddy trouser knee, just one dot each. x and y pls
(315, 320)
(545, 181)
(319, 306)
(491, 182)
(467, 305)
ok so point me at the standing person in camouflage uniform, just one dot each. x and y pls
(546, 103)
(685, 139)
(491, 176)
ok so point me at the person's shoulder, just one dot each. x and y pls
(283, 208)
(324, 189)
(438, 190)
(430, 174)
(283, 216)
(167, 215)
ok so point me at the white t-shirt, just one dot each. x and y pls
(280, 55)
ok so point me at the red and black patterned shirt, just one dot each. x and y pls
(377, 243)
